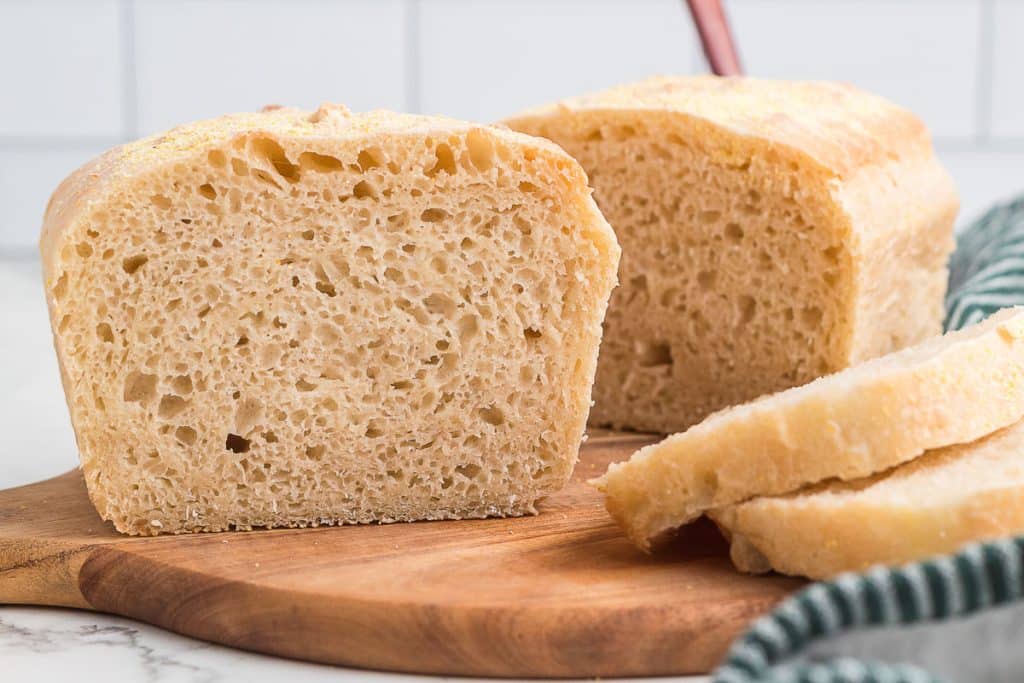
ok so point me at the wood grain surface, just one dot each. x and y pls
(561, 594)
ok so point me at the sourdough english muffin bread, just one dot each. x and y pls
(934, 505)
(293, 318)
(772, 232)
(948, 390)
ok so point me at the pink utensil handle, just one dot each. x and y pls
(715, 37)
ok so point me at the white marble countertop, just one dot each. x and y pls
(44, 644)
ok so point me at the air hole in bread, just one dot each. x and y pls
(811, 316)
(748, 309)
(207, 190)
(445, 161)
(469, 470)
(481, 149)
(272, 152)
(325, 287)
(236, 444)
(105, 333)
(321, 163)
(706, 279)
(185, 435)
(303, 385)
(217, 158)
(182, 385)
(170, 406)
(638, 283)
(467, 328)
(653, 354)
(139, 387)
(370, 158)
(492, 415)
(439, 304)
(133, 263)
(433, 215)
(364, 190)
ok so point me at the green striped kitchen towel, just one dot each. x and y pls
(953, 618)
(986, 272)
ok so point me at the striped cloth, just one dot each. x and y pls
(986, 274)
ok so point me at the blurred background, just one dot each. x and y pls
(79, 76)
(82, 75)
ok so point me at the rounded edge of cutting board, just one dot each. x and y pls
(561, 594)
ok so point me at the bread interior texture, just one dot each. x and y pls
(288, 331)
(734, 279)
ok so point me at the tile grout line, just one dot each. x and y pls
(129, 82)
(413, 53)
(986, 63)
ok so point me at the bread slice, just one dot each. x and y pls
(936, 504)
(948, 390)
(289, 319)
(772, 232)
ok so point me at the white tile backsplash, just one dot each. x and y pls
(486, 60)
(61, 68)
(919, 53)
(82, 74)
(28, 176)
(1008, 69)
(196, 59)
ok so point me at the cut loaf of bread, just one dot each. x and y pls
(772, 232)
(934, 505)
(948, 390)
(289, 319)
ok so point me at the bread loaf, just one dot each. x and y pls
(934, 505)
(948, 390)
(772, 232)
(290, 319)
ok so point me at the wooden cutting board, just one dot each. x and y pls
(562, 594)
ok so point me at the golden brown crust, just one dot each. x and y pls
(839, 126)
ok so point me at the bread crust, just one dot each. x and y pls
(841, 527)
(953, 389)
(841, 128)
